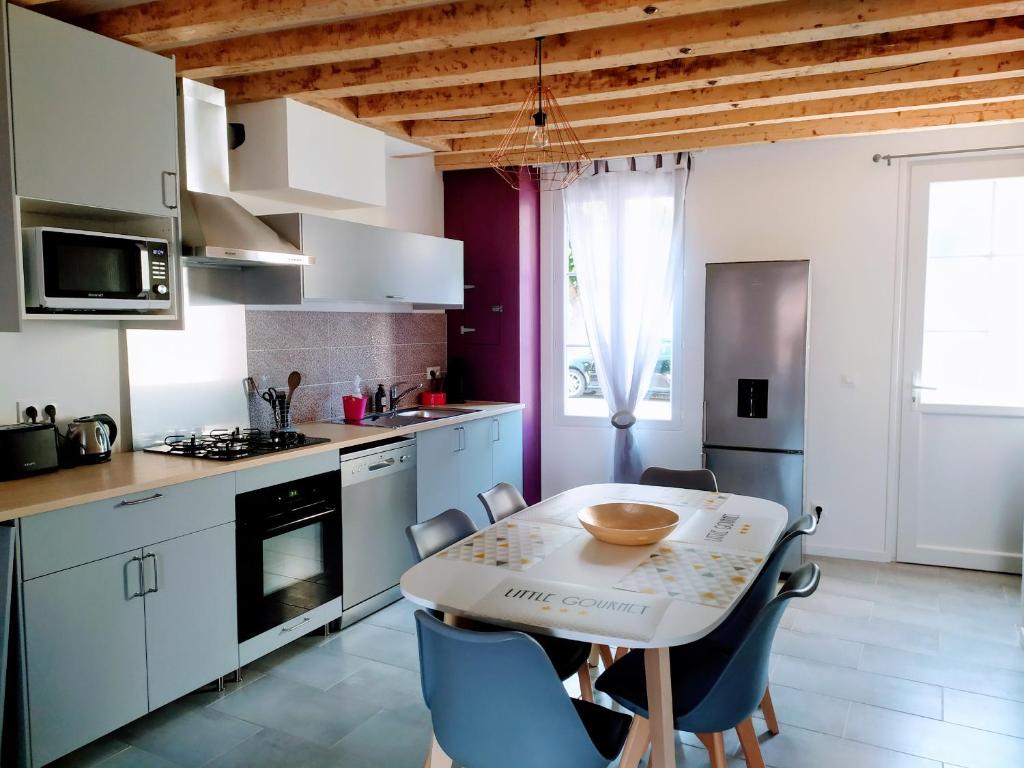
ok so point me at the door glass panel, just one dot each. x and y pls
(292, 558)
(973, 351)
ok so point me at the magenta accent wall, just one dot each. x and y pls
(501, 231)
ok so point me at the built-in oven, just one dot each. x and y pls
(288, 552)
(69, 270)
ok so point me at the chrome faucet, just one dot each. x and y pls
(396, 396)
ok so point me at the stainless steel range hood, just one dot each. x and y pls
(216, 230)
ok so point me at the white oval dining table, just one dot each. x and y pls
(468, 583)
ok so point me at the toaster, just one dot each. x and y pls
(27, 449)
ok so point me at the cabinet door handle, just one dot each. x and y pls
(156, 574)
(463, 431)
(143, 500)
(127, 590)
(497, 431)
(173, 176)
(463, 330)
(293, 627)
(393, 296)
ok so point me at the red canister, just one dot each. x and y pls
(355, 407)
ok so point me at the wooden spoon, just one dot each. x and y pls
(294, 380)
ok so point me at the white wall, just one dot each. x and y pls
(826, 201)
(76, 366)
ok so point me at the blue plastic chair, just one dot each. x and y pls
(495, 703)
(568, 657)
(714, 688)
(501, 501)
(693, 479)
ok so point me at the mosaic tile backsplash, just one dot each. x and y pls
(330, 349)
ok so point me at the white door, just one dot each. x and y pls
(961, 479)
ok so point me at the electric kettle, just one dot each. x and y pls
(89, 439)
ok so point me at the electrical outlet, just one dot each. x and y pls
(816, 510)
(43, 416)
(434, 369)
(23, 406)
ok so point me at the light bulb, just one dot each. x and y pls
(539, 137)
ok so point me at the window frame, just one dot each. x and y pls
(558, 361)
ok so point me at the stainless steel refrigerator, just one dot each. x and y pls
(755, 363)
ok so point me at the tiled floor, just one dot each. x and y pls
(887, 666)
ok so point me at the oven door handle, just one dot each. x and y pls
(296, 524)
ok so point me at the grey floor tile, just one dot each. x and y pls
(382, 685)
(389, 739)
(831, 650)
(812, 711)
(187, 735)
(211, 695)
(933, 739)
(835, 605)
(133, 757)
(972, 648)
(91, 754)
(892, 634)
(859, 686)
(985, 712)
(390, 646)
(799, 748)
(943, 671)
(396, 616)
(310, 665)
(299, 710)
(852, 570)
(273, 749)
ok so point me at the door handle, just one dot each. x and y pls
(496, 431)
(382, 465)
(143, 500)
(141, 590)
(463, 330)
(295, 626)
(156, 574)
(173, 176)
(923, 386)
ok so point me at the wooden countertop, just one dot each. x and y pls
(136, 471)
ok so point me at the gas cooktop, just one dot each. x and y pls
(229, 445)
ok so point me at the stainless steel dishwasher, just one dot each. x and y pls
(378, 501)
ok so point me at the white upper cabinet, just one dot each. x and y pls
(360, 263)
(95, 121)
(299, 155)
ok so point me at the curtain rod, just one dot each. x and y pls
(889, 158)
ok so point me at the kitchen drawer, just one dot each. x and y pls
(68, 537)
(286, 471)
(272, 639)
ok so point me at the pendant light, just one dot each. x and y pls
(540, 142)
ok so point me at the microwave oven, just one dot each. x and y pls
(70, 270)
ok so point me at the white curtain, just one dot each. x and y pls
(625, 228)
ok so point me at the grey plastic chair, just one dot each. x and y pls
(568, 657)
(715, 689)
(494, 702)
(693, 479)
(503, 500)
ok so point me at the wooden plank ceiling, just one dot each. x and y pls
(633, 77)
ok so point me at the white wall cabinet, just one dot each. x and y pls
(107, 640)
(360, 263)
(95, 121)
(456, 463)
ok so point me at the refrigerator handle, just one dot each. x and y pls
(703, 424)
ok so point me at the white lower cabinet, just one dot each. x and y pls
(108, 641)
(456, 463)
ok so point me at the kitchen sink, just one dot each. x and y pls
(406, 417)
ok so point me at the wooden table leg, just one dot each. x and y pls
(659, 706)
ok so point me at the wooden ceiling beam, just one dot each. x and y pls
(781, 23)
(897, 49)
(452, 24)
(827, 127)
(989, 91)
(729, 97)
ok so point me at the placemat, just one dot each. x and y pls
(515, 544)
(692, 574)
(602, 612)
(746, 532)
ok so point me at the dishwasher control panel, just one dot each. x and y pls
(375, 462)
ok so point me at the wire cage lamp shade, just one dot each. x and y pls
(540, 142)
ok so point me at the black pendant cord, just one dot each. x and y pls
(539, 118)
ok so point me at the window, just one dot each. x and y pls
(973, 350)
(583, 395)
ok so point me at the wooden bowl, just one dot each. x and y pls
(628, 524)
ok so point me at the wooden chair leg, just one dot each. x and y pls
(768, 710)
(436, 758)
(715, 745)
(586, 687)
(606, 655)
(595, 656)
(637, 742)
(620, 652)
(751, 747)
